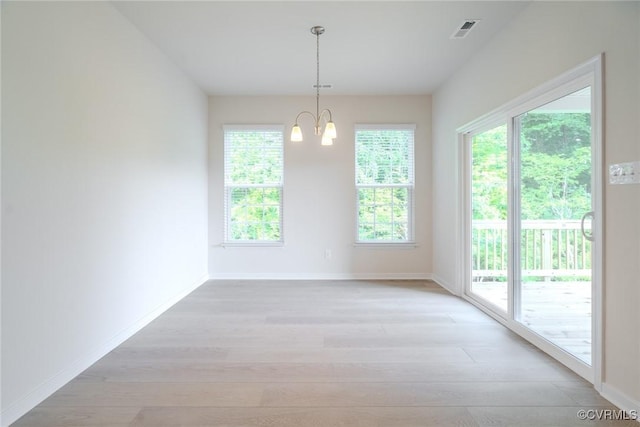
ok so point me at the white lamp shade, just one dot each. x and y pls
(330, 130)
(326, 139)
(296, 133)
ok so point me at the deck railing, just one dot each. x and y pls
(548, 249)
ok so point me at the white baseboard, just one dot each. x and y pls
(448, 286)
(17, 409)
(621, 400)
(322, 276)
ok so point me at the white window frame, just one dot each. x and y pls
(590, 74)
(410, 241)
(228, 241)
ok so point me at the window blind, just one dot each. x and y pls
(385, 182)
(253, 179)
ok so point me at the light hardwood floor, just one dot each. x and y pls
(557, 310)
(322, 353)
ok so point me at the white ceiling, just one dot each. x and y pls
(369, 47)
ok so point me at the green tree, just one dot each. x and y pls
(253, 177)
(489, 174)
(384, 175)
(556, 165)
(555, 176)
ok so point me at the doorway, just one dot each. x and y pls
(533, 217)
(554, 212)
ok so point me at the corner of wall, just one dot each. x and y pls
(16, 409)
(446, 285)
(622, 401)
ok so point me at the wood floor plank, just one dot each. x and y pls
(415, 394)
(202, 371)
(422, 339)
(370, 318)
(582, 393)
(300, 417)
(63, 416)
(450, 372)
(400, 355)
(528, 416)
(126, 353)
(271, 329)
(190, 339)
(134, 394)
(321, 353)
(504, 353)
(198, 372)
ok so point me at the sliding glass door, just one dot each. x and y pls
(489, 201)
(555, 162)
(532, 226)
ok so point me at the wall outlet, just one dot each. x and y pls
(624, 173)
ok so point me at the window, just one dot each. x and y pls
(253, 178)
(384, 183)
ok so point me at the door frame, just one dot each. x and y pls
(466, 140)
(591, 73)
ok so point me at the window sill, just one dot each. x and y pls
(386, 245)
(251, 245)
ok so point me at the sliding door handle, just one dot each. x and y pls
(589, 236)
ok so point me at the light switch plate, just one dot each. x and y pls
(624, 173)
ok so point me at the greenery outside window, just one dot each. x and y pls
(253, 183)
(385, 183)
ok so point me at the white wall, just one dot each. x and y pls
(319, 192)
(637, 138)
(1, 8)
(104, 196)
(545, 40)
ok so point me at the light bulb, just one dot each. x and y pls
(326, 139)
(296, 133)
(330, 130)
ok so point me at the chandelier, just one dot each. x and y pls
(329, 133)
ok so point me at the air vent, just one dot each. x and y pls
(464, 28)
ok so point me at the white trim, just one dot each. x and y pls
(384, 126)
(514, 225)
(487, 122)
(251, 244)
(621, 400)
(465, 207)
(366, 244)
(562, 356)
(410, 187)
(27, 402)
(552, 350)
(241, 127)
(612, 394)
(321, 276)
(595, 64)
(563, 87)
(445, 285)
(597, 194)
(1, 415)
(227, 188)
(590, 73)
(460, 218)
